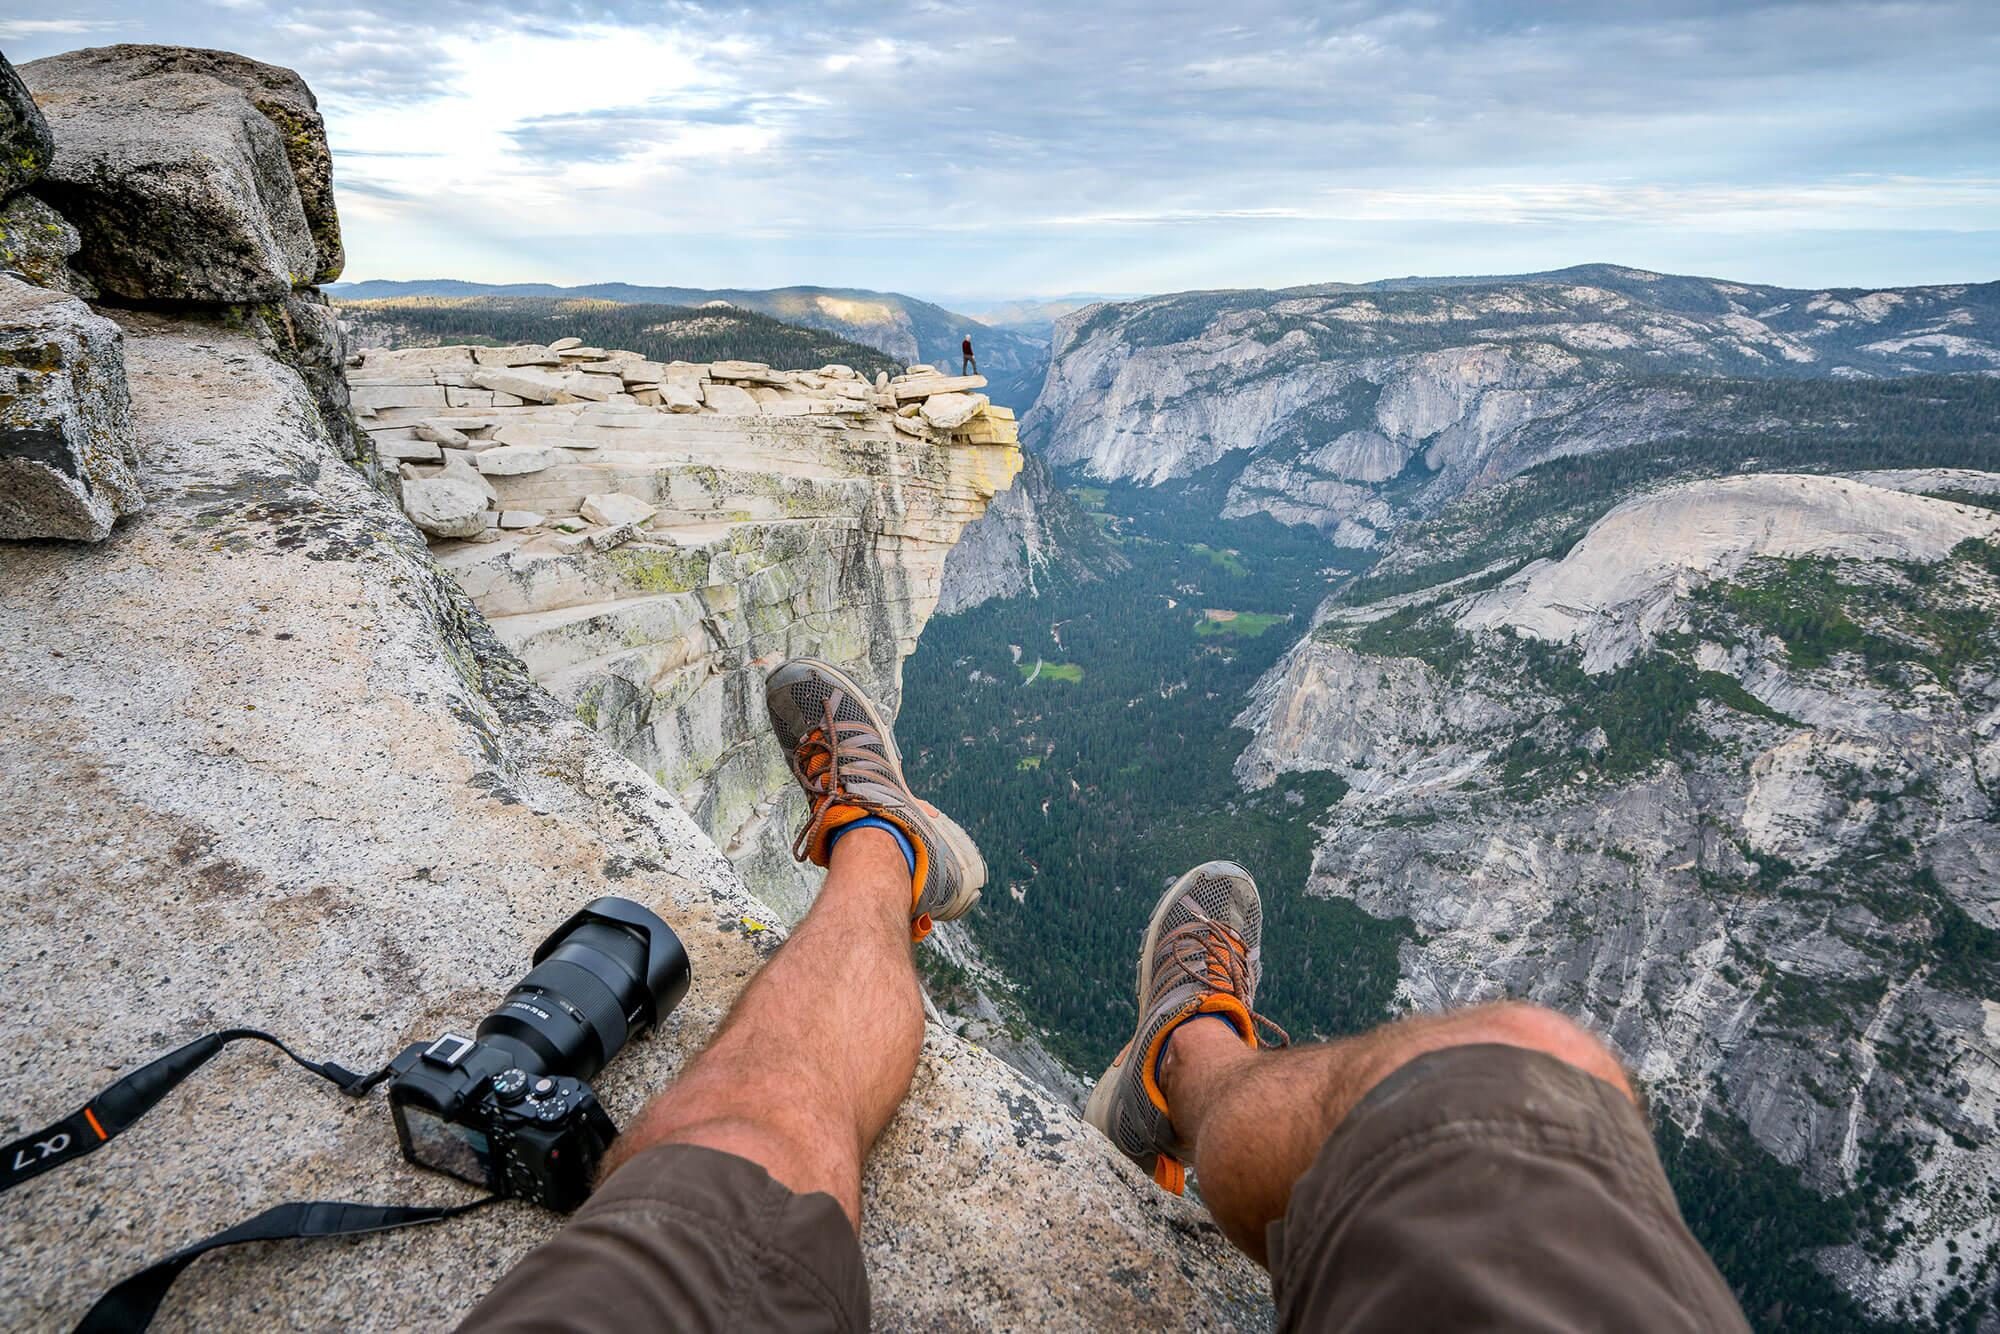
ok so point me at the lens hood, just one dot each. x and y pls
(666, 974)
(613, 970)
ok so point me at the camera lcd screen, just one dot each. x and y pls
(446, 1145)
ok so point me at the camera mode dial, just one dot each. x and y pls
(511, 1085)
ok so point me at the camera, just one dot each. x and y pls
(511, 1108)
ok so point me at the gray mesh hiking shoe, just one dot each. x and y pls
(1202, 955)
(845, 758)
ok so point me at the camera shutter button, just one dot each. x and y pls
(510, 1085)
(544, 1087)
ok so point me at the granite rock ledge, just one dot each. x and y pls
(264, 762)
(267, 764)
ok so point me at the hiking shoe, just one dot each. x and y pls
(845, 758)
(1202, 955)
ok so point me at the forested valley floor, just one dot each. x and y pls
(1084, 738)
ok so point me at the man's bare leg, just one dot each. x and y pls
(803, 1074)
(819, 1049)
(1258, 1118)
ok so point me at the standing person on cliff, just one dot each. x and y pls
(1479, 1169)
(968, 364)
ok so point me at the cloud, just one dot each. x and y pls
(693, 126)
(354, 184)
(905, 138)
(1884, 201)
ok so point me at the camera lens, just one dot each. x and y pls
(608, 973)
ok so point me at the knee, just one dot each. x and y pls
(1521, 1024)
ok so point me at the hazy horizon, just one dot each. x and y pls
(980, 154)
(975, 303)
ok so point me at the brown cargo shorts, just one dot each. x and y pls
(687, 1238)
(1492, 1187)
(1481, 1187)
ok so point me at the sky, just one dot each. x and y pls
(993, 151)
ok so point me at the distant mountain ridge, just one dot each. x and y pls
(1688, 292)
(1034, 317)
(662, 333)
(1351, 407)
(902, 326)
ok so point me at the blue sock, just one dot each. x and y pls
(1193, 1018)
(874, 822)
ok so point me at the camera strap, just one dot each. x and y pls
(113, 1111)
(131, 1304)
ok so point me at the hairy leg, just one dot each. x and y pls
(1257, 1119)
(818, 1051)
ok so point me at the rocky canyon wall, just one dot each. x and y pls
(1351, 408)
(1719, 781)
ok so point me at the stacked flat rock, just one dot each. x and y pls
(611, 426)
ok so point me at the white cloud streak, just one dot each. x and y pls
(13, 28)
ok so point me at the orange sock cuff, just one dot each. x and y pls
(840, 817)
(837, 818)
(1220, 1004)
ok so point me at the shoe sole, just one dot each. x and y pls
(972, 864)
(1104, 1097)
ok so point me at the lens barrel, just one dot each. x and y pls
(607, 974)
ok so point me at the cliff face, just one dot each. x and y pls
(740, 517)
(1031, 535)
(1720, 781)
(268, 764)
(1704, 763)
(1351, 408)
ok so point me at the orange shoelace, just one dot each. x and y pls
(817, 764)
(1213, 956)
(823, 762)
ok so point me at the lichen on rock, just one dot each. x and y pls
(25, 144)
(38, 243)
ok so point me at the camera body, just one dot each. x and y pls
(464, 1107)
(512, 1109)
